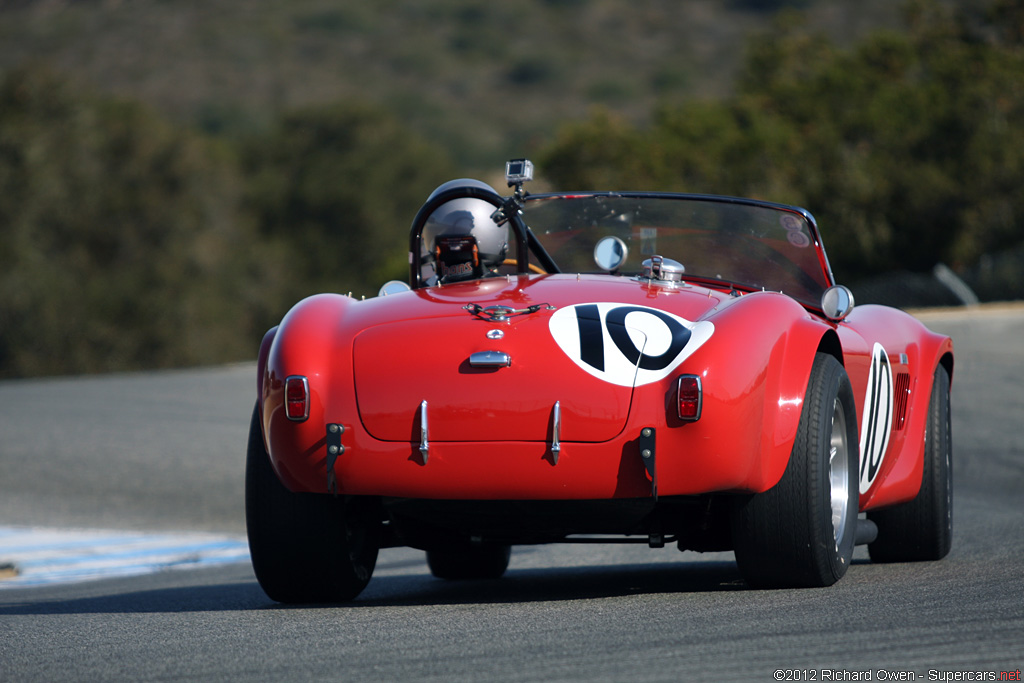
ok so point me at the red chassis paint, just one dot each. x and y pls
(490, 430)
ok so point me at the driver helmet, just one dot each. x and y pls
(460, 239)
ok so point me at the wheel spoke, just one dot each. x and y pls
(839, 472)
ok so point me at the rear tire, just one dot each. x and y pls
(922, 529)
(800, 533)
(471, 562)
(306, 547)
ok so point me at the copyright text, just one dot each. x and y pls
(892, 675)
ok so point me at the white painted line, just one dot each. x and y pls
(41, 556)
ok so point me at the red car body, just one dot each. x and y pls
(490, 430)
(406, 390)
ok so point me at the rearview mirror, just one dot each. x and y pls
(393, 287)
(610, 253)
(837, 302)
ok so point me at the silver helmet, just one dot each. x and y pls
(460, 239)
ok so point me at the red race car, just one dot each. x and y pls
(618, 366)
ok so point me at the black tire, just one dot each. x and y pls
(471, 562)
(800, 533)
(922, 529)
(306, 547)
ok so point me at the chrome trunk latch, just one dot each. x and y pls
(490, 359)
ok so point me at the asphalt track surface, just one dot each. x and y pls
(163, 452)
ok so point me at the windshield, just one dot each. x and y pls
(740, 243)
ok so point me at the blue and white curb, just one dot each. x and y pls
(32, 556)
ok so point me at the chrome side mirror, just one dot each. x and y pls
(393, 287)
(837, 302)
(610, 253)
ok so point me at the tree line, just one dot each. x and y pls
(129, 242)
(907, 148)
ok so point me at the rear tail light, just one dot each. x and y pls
(296, 398)
(688, 398)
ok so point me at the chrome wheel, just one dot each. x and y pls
(839, 471)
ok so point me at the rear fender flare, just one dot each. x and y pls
(786, 388)
(308, 342)
(757, 372)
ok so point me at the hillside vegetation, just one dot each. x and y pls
(483, 79)
(174, 175)
(908, 148)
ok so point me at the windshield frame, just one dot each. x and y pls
(808, 222)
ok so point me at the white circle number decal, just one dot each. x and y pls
(877, 423)
(624, 344)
